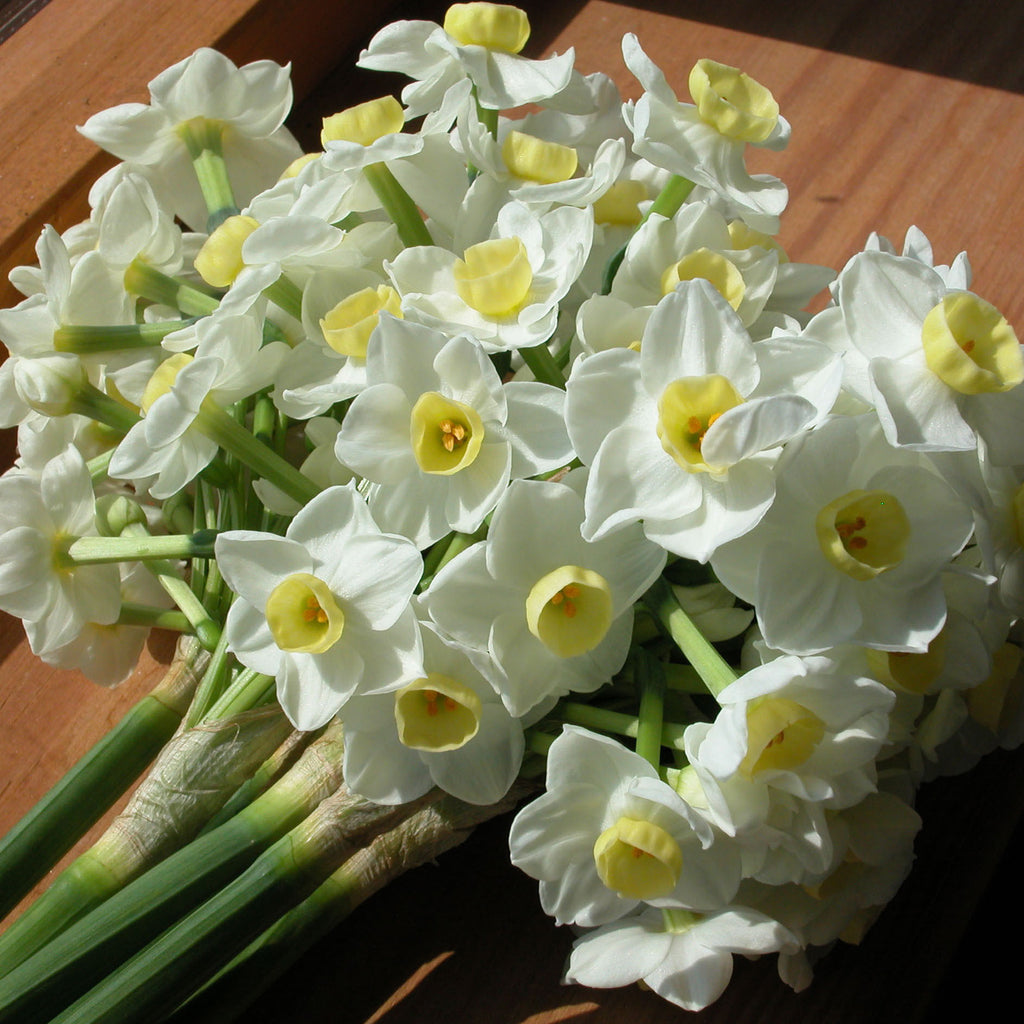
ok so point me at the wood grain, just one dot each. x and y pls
(915, 119)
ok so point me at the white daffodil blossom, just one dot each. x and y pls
(246, 105)
(682, 436)
(230, 363)
(108, 653)
(40, 517)
(799, 725)
(705, 142)
(608, 835)
(324, 609)
(605, 322)
(854, 546)
(874, 851)
(86, 292)
(340, 309)
(553, 611)
(506, 290)
(440, 436)
(446, 729)
(695, 244)
(482, 44)
(684, 957)
(943, 366)
(713, 610)
(956, 275)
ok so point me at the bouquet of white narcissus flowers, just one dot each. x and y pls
(495, 456)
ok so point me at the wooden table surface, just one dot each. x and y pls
(902, 114)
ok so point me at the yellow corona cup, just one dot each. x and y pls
(733, 103)
(492, 26)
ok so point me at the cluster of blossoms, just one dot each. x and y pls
(503, 425)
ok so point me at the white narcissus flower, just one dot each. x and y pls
(683, 437)
(488, 56)
(609, 834)
(40, 516)
(231, 362)
(506, 290)
(799, 725)
(324, 609)
(440, 436)
(854, 546)
(553, 611)
(250, 103)
(686, 958)
(943, 366)
(705, 143)
(447, 729)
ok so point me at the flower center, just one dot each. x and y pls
(348, 326)
(533, 159)
(711, 266)
(570, 610)
(970, 346)
(621, 203)
(446, 435)
(863, 533)
(637, 859)
(781, 735)
(493, 26)
(494, 277)
(436, 713)
(163, 378)
(686, 410)
(219, 261)
(914, 672)
(732, 103)
(303, 615)
(364, 123)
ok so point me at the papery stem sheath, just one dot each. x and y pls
(188, 954)
(56, 823)
(113, 932)
(422, 838)
(191, 780)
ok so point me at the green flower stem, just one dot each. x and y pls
(666, 203)
(56, 823)
(418, 840)
(716, 672)
(214, 680)
(184, 957)
(603, 720)
(90, 401)
(149, 283)
(488, 118)
(164, 813)
(205, 627)
(671, 197)
(650, 682)
(543, 365)
(132, 917)
(157, 618)
(99, 466)
(227, 432)
(138, 548)
(90, 340)
(286, 294)
(398, 205)
(204, 139)
(457, 542)
(249, 690)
